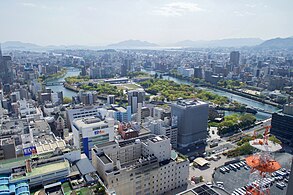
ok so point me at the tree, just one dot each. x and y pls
(67, 100)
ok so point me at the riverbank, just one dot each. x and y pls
(56, 76)
(70, 87)
(205, 84)
(245, 95)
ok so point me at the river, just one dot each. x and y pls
(66, 93)
(252, 103)
(240, 99)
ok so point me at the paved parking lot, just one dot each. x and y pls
(207, 171)
(239, 178)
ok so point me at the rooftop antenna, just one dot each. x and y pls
(262, 164)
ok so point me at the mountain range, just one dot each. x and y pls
(275, 43)
(237, 42)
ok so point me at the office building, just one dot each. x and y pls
(234, 58)
(7, 148)
(6, 74)
(135, 97)
(282, 127)
(95, 72)
(90, 131)
(125, 67)
(121, 114)
(110, 99)
(160, 127)
(81, 112)
(186, 72)
(191, 118)
(143, 165)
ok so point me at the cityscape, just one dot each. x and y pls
(95, 103)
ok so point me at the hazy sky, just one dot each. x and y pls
(100, 22)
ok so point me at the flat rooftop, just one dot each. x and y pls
(120, 109)
(89, 122)
(104, 158)
(200, 190)
(157, 138)
(189, 103)
(41, 170)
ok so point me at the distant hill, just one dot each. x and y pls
(236, 42)
(17, 45)
(278, 43)
(132, 44)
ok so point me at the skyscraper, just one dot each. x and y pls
(125, 67)
(135, 97)
(6, 75)
(234, 58)
(191, 118)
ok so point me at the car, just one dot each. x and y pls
(281, 185)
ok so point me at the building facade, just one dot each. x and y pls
(191, 118)
(90, 131)
(140, 166)
(282, 126)
(135, 97)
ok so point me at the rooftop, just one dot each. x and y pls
(189, 103)
(45, 169)
(200, 190)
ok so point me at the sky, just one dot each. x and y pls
(101, 22)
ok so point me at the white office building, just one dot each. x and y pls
(90, 131)
(145, 165)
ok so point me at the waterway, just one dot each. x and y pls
(252, 103)
(240, 99)
(66, 93)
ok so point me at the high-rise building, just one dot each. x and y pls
(282, 124)
(234, 58)
(6, 74)
(191, 118)
(90, 131)
(135, 97)
(111, 99)
(125, 67)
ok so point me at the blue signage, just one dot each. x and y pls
(99, 132)
(29, 151)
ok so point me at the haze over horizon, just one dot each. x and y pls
(163, 22)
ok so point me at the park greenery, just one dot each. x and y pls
(172, 91)
(57, 75)
(103, 89)
(76, 79)
(67, 100)
(233, 123)
(231, 84)
(244, 148)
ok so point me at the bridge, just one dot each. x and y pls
(54, 83)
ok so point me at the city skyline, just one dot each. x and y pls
(98, 23)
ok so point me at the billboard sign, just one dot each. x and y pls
(29, 151)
